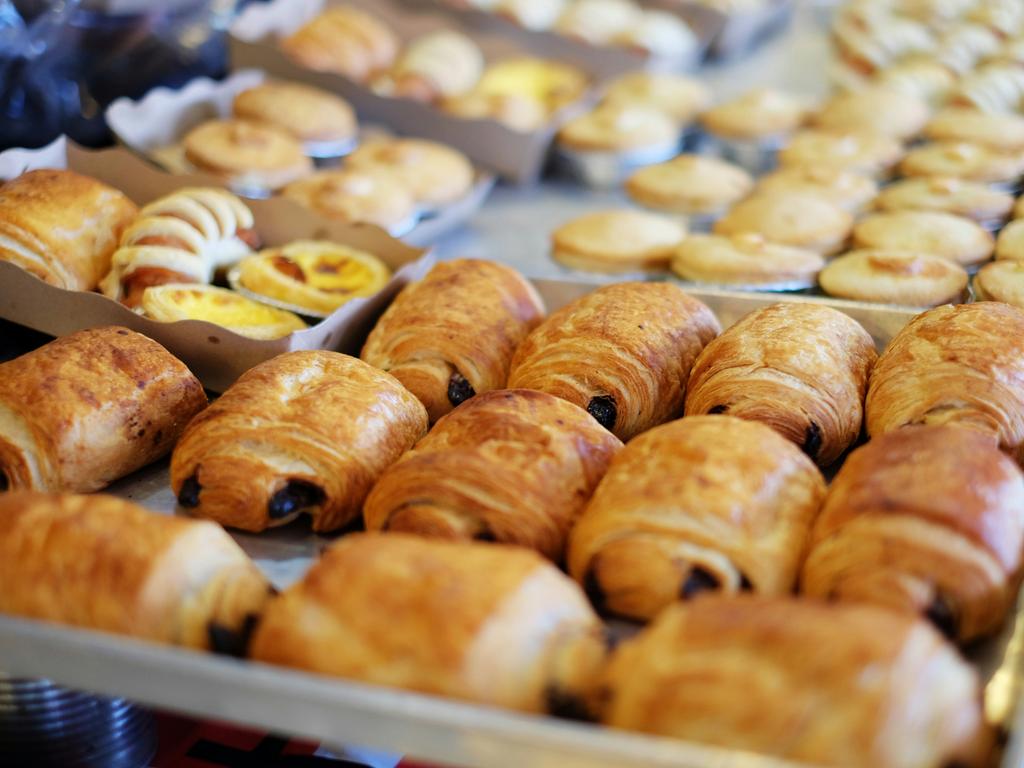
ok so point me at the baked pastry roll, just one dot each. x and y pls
(181, 238)
(367, 195)
(61, 226)
(622, 352)
(617, 241)
(953, 365)
(800, 368)
(926, 520)
(709, 503)
(316, 275)
(514, 466)
(318, 118)
(796, 219)
(844, 685)
(434, 173)
(102, 563)
(247, 155)
(346, 41)
(240, 314)
(452, 335)
(435, 617)
(894, 277)
(435, 66)
(84, 410)
(940, 234)
(304, 432)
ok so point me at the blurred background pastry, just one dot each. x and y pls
(323, 122)
(699, 186)
(247, 155)
(617, 241)
(880, 110)
(942, 234)
(597, 21)
(662, 35)
(346, 41)
(1003, 132)
(369, 195)
(1001, 281)
(907, 278)
(746, 260)
(978, 202)
(435, 66)
(678, 96)
(532, 14)
(435, 174)
(973, 162)
(864, 152)
(849, 190)
(1010, 243)
(749, 129)
(800, 220)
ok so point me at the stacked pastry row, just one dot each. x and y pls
(444, 68)
(724, 503)
(621, 23)
(275, 131)
(77, 233)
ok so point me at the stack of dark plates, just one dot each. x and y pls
(44, 725)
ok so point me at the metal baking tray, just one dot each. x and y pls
(338, 711)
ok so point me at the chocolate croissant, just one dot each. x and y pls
(514, 466)
(304, 432)
(954, 365)
(489, 623)
(926, 520)
(799, 368)
(61, 226)
(622, 352)
(181, 238)
(102, 563)
(452, 335)
(84, 410)
(709, 503)
(842, 685)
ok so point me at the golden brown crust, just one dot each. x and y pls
(304, 432)
(484, 622)
(106, 564)
(709, 503)
(61, 226)
(356, 195)
(435, 173)
(622, 352)
(800, 368)
(86, 409)
(954, 365)
(308, 113)
(877, 109)
(346, 41)
(806, 681)
(617, 240)
(246, 153)
(894, 277)
(927, 520)
(514, 466)
(940, 234)
(453, 334)
(796, 219)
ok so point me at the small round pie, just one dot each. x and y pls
(678, 96)
(746, 260)
(849, 190)
(876, 109)
(870, 153)
(1001, 281)
(1001, 132)
(434, 173)
(247, 154)
(939, 234)
(757, 115)
(796, 219)
(617, 241)
(191, 301)
(356, 195)
(1010, 243)
(316, 275)
(311, 115)
(691, 184)
(964, 198)
(974, 162)
(619, 128)
(894, 277)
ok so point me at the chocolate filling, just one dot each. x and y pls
(812, 440)
(566, 705)
(603, 409)
(484, 534)
(296, 496)
(459, 390)
(940, 613)
(745, 584)
(697, 581)
(593, 590)
(232, 642)
(718, 409)
(5, 481)
(188, 496)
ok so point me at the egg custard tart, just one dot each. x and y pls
(191, 301)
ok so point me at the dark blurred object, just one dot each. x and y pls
(63, 61)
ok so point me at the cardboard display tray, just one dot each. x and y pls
(448, 732)
(216, 355)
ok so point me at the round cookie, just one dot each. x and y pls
(309, 114)
(690, 184)
(849, 190)
(617, 241)
(1001, 281)
(757, 115)
(619, 128)
(435, 174)
(796, 219)
(1010, 243)
(678, 96)
(969, 199)
(974, 162)
(860, 151)
(1001, 132)
(939, 234)
(894, 277)
(246, 154)
(877, 109)
(745, 260)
